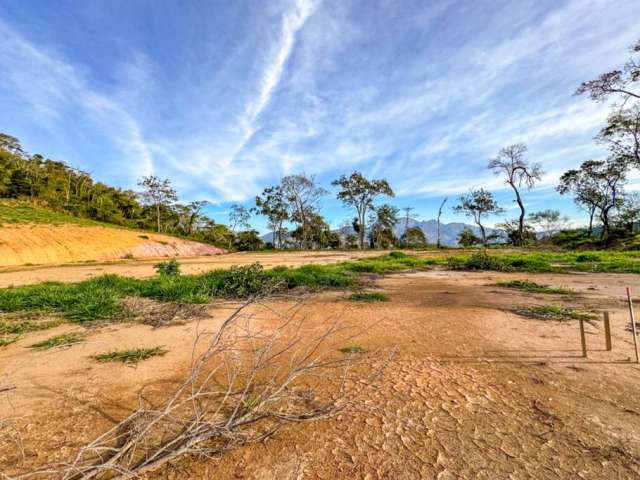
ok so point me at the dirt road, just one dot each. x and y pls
(474, 391)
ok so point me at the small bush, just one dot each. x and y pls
(66, 339)
(554, 312)
(369, 297)
(398, 255)
(481, 261)
(245, 281)
(133, 355)
(587, 257)
(169, 268)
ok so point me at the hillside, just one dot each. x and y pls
(34, 235)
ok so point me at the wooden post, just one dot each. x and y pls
(633, 324)
(583, 339)
(607, 332)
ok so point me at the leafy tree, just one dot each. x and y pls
(157, 192)
(383, 220)
(467, 238)
(414, 237)
(511, 229)
(273, 205)
(597, 183)
(318, 232)
(629, 212)
(360, 193)
(549, 222)
(11, 145)
(408, 217)
(248, 240)
(477, 204)
(518, 172)
(303, 198)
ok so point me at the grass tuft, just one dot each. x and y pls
(133, 355)
(24, 326)
(64, 340)
(532, 287)
(369, 297)
(353, 349)
(555, 312)
(8, 339)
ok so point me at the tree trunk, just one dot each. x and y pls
(158, 215)
(520, 239)
(592, 212)
(361, 231)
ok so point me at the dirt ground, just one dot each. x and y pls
(473, 391)
(76, 272)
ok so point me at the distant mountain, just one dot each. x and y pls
(448, 231)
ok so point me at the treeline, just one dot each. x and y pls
(293, 206)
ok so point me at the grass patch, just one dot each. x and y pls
(63, 340)
(353, 349)
(368, 297)
(555, 312)
(532, 287)
(11, 327)
(16, 211)
(133, 355)
(8, 339)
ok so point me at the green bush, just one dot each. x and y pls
(480, 261)
(169, 268)
(245, 281)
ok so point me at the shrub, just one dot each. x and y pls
(245, 281)
(133, 355)
(480, 261)
(369, 297)
(169, 268)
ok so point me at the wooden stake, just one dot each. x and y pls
(633, 324)
(583, 339)
(607, 332)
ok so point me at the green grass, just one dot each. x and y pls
(369, 297)
(64, 340)
(8, 339)
(133, 355)
(555, 312)
(353, 349)
(24, 212)
(101, 298)
(532, 287)
(602, 261)
(13, 327)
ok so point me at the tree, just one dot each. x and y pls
(158, 193)
(439, 215)
(511, 163)
(360, 193)
(238, 217)
(477, 204)
(408, 216)
(11, 144)
(467, 238)
(598, 183)
(248, 240)
(303, 198)
(414, 237)
(549, 222)
(273, 205)
(318, 232)
(383, 220)
(629, 212)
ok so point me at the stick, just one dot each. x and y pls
(607, 332)
(583, 339)
(633, 324)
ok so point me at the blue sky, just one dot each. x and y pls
(225, 97)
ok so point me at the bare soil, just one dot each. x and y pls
(473, 391)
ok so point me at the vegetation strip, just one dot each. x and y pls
(368, 297)
(64, 340)
(532, 287)
(133, 355)
(555, 312)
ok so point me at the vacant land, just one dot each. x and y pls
(473, 390)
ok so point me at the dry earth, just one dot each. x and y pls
(41, 244)
(473, 390)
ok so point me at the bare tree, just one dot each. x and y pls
(238, 217)
(408, 216)
(511, 163)
(158, 193)
(439, 215)
(359, 192)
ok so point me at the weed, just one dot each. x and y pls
(66, 339)
(133, 355)
(353, 349)
(170, 268)
(8, 339)
(555, 312)
(24, 326)
(369, 297)
(532, 287)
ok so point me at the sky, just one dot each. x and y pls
(226, 97)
